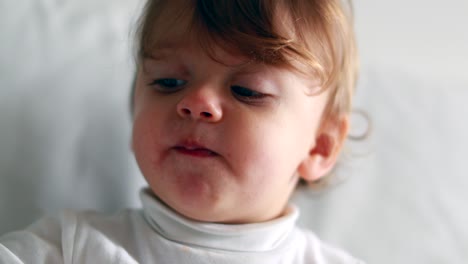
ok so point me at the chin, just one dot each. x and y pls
(194, 203)
(201, 212)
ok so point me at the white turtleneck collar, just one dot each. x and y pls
(257, 237)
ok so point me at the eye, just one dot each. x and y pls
(246, 94)
(167, 85)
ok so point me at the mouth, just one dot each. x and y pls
(194, 150)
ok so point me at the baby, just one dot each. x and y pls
(235, 102)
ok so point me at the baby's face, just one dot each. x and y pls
(222, 142)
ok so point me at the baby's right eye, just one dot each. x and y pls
(167, 85)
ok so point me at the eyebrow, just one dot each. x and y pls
(152, 57)
(160, 49)
(159, 54)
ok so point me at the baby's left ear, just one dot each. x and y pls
(324, 155)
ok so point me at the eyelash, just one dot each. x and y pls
(246, 94)
(171, 85)
(167, 85)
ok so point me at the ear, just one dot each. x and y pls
(324, 154)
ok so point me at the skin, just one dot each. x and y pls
(226, 142)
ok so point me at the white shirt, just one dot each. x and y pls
(157, 234)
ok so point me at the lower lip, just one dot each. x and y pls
(202, 153)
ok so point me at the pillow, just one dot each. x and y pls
(65, 126)
(403, 196)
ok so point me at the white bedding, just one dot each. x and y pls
(65, 72)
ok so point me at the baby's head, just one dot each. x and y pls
(235, 101)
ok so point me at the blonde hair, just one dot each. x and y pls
(317, 34)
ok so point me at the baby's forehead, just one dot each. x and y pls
(261, 38)
(164, 49)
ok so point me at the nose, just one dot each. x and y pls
(200, 104)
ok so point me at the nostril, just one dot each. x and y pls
(206, 114)
(186, 111)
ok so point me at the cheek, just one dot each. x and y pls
(267, 168)
(145, 139)
(265, 152)
(279, 147)
(140, 139)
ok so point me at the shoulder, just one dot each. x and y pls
(39, 243)
(317, 251)
(54, 239)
